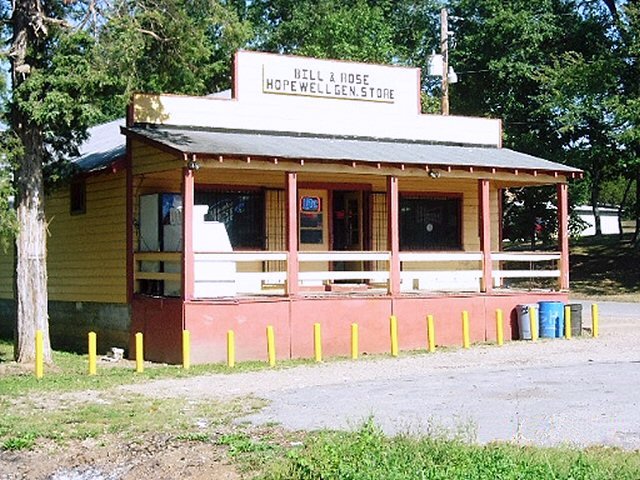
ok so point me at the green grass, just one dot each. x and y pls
(603, 268)
(599, 268)
(69, 373)
(368, 454)
(26, 420)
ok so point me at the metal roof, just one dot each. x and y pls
(292, 146)
(104, 145)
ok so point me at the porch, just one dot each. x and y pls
(403, 235)
(209, 292)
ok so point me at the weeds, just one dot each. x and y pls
(368, 454)
(22, 442)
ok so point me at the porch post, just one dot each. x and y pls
(291, 189)
(129, 216)
(187, 234)
(394, 234)
(485, 236)
(563, 234)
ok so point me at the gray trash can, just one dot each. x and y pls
(576, 319)
(524, 320)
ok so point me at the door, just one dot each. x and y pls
(313, 228)
(347, 226)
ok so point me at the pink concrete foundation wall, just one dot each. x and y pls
(447, 316)
(335, 316)
(293, 318)
(160, 322)
(208, 325)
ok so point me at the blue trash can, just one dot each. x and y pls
(551, 319)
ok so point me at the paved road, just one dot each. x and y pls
(588, 392)
(582, 391)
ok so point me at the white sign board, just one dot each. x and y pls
(267, 78)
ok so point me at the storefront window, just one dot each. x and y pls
(242, 213)
(430, 223)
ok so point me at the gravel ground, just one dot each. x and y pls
(584, 391)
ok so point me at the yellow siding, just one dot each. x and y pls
(6, 273)
(87, 252)
(147, 159)
(213, 172)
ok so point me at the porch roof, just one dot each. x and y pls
(216, 142)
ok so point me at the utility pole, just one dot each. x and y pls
(444, 51)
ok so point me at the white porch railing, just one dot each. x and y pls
(538, 265)
(355, 276)
(221, 274)
(224, 274)
(415, 275)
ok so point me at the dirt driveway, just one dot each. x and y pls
(582, 391)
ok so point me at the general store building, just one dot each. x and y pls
(317, 193)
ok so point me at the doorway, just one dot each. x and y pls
(347, 226)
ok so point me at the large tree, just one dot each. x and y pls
(548, 68)
(176, 46)
(348, 30)
(50, 107)
(74, 64)
(628, 23)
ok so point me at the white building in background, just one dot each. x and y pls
(609, 220)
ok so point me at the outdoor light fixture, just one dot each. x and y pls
(193, 165)
(434, 174)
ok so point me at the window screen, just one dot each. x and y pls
(242, 213)
(430, 223)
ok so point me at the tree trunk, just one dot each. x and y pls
(31, 267)
(31, 262)
(636, 235)
(623, 202)
(595, 197)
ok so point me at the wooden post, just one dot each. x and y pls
(317, 342)
(291, 191)
(393, 208)
(444, 50)
(186, 349)
(393, 327)
(39, 351)
(92, 353)
(130, 223)
(465, 329)
(139, 353)
(354, 341)
(187, 234)
(499, 328)
(563, 234)
(431, 334)
(485, 235)
(271, 346)
(533, 323)
(231, 349)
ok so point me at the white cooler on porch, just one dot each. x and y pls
(212, 278)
